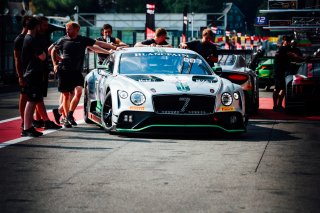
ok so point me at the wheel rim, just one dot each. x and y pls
(107, 113)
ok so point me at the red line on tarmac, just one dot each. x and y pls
(10, 129)
(266, 112)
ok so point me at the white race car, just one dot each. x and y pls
(147, 88)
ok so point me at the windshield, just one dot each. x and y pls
(162, 63)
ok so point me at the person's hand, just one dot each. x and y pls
(183, 46)
(55, 68)
(22, 82)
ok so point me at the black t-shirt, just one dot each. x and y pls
(44, 43)
(102, 56)
(152, 41)
(281, 61)
(204, 49)
(73, 51)
(31, 64)
(18, 42)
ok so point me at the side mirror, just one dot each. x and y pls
(217, 69)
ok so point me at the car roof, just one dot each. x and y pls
(155, 50)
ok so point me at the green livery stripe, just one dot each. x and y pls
(182, 86)
(177, 125)
(99, 106)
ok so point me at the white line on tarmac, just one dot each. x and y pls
(19, 140)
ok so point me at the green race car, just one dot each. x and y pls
(265, 72)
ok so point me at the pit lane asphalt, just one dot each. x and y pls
(274, 167)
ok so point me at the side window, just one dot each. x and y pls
(107, 66)
(242, 62)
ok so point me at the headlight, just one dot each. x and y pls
(137, 98)
(236, 95)
(226, 99)
(123, 94)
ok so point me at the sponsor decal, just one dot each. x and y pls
(227, 108)
(137, 108)
(183, 87)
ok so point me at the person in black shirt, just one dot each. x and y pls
(205, 47)
(106, 33)
(282, 67)
(294, 49)
(72, 49)
(159, 40)
(33, 57)
(44, 41)
(18, 44)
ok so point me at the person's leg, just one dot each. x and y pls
(58, 112)
(43, 113)
(65, 102)
(28, 114)
(275, 97)
(76, 98)
(66, 106)
(38, 120)
(22, 106)
(280, 98)
(74, 103)
(41, 110)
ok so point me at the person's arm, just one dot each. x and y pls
(54, 59)
(57, 56)
(164, 45)
(139, 44)
(120, 43)
(105, 45)
(99, 49)
(17, 60)
(295, 57)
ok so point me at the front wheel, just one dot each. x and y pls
(106, 115)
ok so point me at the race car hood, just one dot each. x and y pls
(166, 84)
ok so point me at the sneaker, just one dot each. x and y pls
(71, 120)
(38, 123)
(56, 115)
(32, 132)
(51, 125)
(278, 109)
(66, 123)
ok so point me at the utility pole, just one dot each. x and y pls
(76, 15)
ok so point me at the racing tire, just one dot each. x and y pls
(86, 106)
(288, 106)
(106, 114)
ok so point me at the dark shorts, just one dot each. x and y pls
(34, 93)
(23, 90)
(69, 80)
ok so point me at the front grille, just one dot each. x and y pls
(184, 104)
